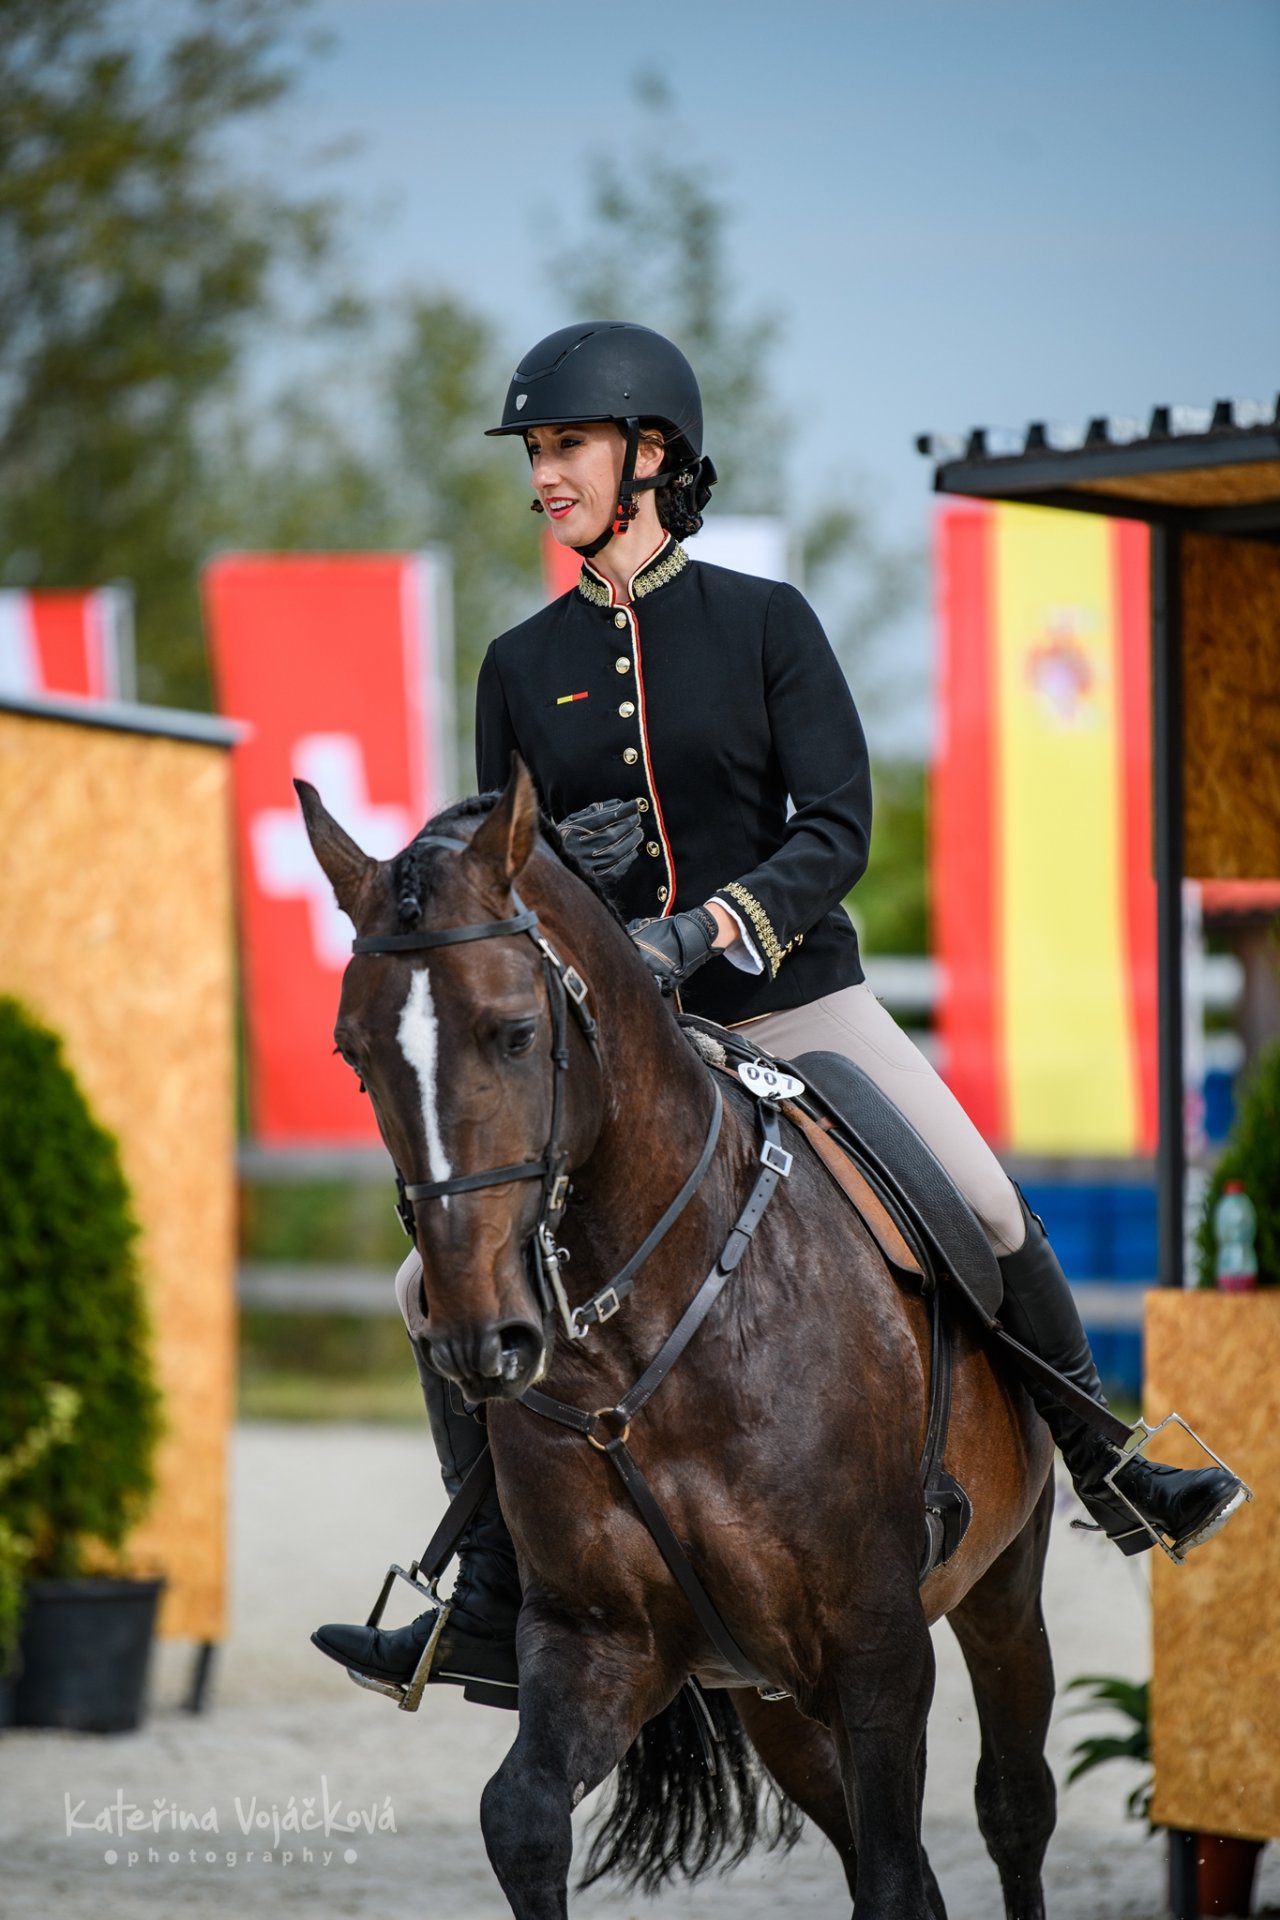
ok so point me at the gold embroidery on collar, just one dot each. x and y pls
(593, 590)
(648, 580)
(657, 574)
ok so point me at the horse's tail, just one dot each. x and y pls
(683, 1805)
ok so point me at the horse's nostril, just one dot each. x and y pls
(521, 1350)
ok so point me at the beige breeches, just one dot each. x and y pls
(854, 1023)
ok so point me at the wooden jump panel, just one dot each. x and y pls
(1215, 1688)
(117, 932)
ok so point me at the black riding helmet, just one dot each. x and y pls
(613, 370)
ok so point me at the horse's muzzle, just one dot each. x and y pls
(493, 1362)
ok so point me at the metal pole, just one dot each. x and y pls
(1166, 760)
(201, 1674)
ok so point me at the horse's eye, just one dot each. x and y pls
(518, 1037)
(354, 1065)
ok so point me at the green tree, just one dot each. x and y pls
(447, 383)
(134, 259)
(654, 248)
(422, 474)
(890, 902)
(1252, 1156)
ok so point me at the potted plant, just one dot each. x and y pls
(72, 1323)
(15, 1549)
(1212, 1873)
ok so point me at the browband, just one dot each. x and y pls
(444, 936)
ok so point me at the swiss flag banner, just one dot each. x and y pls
(342, 665)
(75, 641)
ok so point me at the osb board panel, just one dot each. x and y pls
(1215, 1359)
(1228, 486)
(1231, 695)
(116, 931)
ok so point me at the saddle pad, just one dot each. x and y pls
(857, 1189)
(895, 1154)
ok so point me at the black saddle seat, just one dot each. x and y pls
(895, 1157)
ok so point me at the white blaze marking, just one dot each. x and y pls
(419, 1037)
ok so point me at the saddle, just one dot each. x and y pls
(907, 1199)
(923, 1225)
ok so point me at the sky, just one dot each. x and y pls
(965, 212)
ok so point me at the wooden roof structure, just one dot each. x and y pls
(1207, 482)
(1207, 470)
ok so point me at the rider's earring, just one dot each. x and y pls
(536, 506)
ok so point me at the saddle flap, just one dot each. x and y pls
(893, 1154)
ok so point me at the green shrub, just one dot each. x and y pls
(61, 1406)
(1131, 1699)
(71, 1313)
(1251, 1155)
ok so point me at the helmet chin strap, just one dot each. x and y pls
(628, 486)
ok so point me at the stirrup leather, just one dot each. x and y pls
(1135, 1448)
(407, 1695)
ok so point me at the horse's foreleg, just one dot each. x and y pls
(937, 1905)
(802, 1758)
(1000, 1628)
(582, 1701)
(875, 1696)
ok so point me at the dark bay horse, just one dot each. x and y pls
(783, 1446)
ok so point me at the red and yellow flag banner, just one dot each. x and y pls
(1040, 844)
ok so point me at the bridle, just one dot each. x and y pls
(609, 1428)
(567, 992)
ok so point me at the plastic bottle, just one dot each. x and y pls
(1235, 1227)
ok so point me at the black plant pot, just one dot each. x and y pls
(83, 1653)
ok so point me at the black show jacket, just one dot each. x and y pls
(711, 699)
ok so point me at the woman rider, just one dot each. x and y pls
(668, 711)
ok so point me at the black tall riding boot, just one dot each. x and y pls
(1186, 1506)
(477, 1648)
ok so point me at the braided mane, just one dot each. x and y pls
(415, 871)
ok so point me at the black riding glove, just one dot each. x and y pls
(676, 947)
(603, 837)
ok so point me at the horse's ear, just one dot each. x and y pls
(345, 864)
(505, 838)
